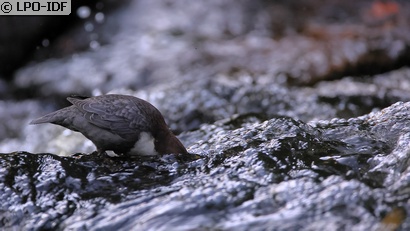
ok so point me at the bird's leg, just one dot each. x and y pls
(101, 153)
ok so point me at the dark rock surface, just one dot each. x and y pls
(248, 175)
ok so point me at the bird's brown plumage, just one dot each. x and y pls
(116, 122)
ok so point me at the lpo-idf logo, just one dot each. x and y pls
(35, 7)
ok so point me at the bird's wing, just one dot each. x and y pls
(118, 115)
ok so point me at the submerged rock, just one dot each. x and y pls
(248, 174)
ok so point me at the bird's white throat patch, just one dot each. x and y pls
(145, 145)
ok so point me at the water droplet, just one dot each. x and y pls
(88, 27)
(94, 45)
(83, 11)
(99, 17)
(45, 42)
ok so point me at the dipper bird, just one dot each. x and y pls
(120, 123)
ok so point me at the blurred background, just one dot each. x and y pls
(199, 62)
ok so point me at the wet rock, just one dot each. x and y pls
(188, 105)
(360, 95)
(251, 174)
(153, 45)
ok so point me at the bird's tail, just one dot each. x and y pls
(54, 117)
